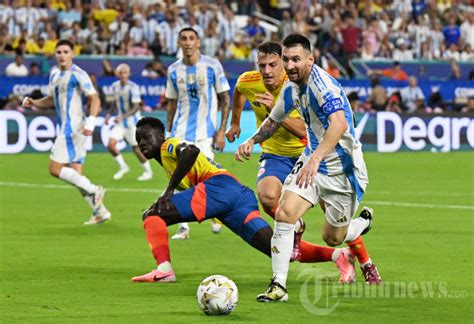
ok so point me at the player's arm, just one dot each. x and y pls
(94, 102)
(187, 155)
(43, 103)
(337, 127)
(172, 105)
(224, 107)
(238, 102)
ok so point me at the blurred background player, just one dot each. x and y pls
(331, 171)
(67, 84)
(128, 102)
(196, 89)
(206, 191)
(282, 150)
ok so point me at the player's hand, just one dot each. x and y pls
(161, 203)
(219, 141)
(244, 150)
(307, 175)
(265, 99)
(232, 133)
(27, 102)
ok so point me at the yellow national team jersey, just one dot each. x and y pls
(202, 169)
(282, 142)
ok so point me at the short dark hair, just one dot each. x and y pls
(66, 42)
(270, 48)
(188, 29)
(293, 40)
(152, 122)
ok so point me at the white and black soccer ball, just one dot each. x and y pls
(217, 295)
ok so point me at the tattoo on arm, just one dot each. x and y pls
(224, 106)
(266, 130)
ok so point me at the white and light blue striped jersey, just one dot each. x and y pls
(126, 96)
(195, 88)
(316, 101)
(70, 90)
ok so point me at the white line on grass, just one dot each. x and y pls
(112, 189)
(423, 193)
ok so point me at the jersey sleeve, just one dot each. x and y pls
(222, 85)
(171, 91)
(284, 105)
(330, 100)
(168, 148)
(85, 83)
(136, 98)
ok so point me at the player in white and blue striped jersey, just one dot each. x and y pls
(331, 171)
(128, 103)
(69, 90)
(196, 89)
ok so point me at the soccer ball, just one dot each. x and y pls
(217, 295)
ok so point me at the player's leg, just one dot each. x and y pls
(116, 136)
(268, 191)
(146, 166)
(156, 225)
(65, 163)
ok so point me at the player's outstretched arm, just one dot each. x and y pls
(43, 103)
(238, 102)
(264, 132)
(224, 107)
(295, 126)
(337, 127)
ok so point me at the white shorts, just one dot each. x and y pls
(205, 145)
(119, 132)
(335, 191)
(70, 150)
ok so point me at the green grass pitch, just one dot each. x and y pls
(54, 269)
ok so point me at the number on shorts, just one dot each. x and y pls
(297, 167)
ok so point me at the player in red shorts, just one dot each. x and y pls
(206, 191)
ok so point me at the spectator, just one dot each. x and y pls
(378, 96)
(467, 30)
(107, 69)
(452, 32)
(451, 53)
(394, 73)
(253, 28)
(17, 68)
(350, 41)
(149, 72)
(238, 49)
(333, 70)
(34, 69)
(401, 52)
(354, 101)
(413, 98)
(455, 71)
(435, 103)
(469, 108)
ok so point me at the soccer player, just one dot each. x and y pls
(68, 83)
(196, 88)
(331, 170)
(127, 95)
(282, 150)
(206, 191)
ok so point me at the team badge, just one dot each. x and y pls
(181, 81)
(261, 171)
(170, 148)
(191, 78)
(201, 79)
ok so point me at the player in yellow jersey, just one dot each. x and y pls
(281, 151)
(206, 191)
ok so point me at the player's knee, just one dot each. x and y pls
(283, 215)
(332, 240)
(269, 199)
(54, 170)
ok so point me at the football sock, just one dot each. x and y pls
(335, 254)
(146, 166)
(184, 226)
(120, 161)
(358, 249)
(356, 226)
(314, 253)
(165, 266)
(71, 176)
(282, 246)
(157, 238)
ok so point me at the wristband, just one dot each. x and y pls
(90, 123)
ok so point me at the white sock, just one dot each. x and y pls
(282, 245)
(184, 225)
(81, 182)
(356, 226)
(120, 161)
(164, 266)
(146, 167)
(368, 262)
(335, 254)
